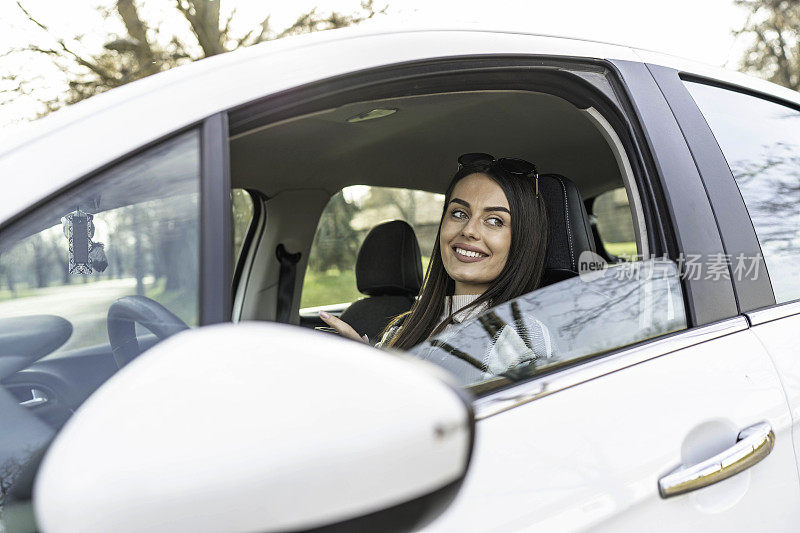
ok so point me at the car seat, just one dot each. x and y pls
(389, 272)
(569, 231)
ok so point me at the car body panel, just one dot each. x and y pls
(781, 339)
(588, 458)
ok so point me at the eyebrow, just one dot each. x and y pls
(466, 204)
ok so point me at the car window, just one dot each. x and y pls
(561, 324)
(612, 218)
(142, 220)
(347, 218)
(761, 142)
(126, 239)
(242, 214)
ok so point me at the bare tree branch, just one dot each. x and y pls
(143, 50)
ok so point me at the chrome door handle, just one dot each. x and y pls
(752, 445)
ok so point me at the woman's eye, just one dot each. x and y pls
(494, 221)
(458, 213)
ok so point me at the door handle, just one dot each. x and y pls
(752, 445)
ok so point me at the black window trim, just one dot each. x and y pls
(708, 300)
(733, 220)
(772, 309)
(216, 224)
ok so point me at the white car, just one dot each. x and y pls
(671, 402)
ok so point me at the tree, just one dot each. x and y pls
(141, 48)
(774, 51)
(335, 242)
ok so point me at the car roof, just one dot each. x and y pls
(54, 151)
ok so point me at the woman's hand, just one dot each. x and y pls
(343, 328)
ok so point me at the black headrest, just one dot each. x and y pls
(389, 261)
(569, 229)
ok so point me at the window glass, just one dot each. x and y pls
(144, 217)
(127, 239)
(761, 142)
(343, 225)
(561, 324)
(242, 206)
(612, 215)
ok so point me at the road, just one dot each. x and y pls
(85, 305)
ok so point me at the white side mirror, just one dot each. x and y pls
(258, 427)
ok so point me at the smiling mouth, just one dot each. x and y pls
(468, 256)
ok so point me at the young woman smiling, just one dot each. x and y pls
(491, 249)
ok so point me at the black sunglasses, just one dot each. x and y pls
(510, 165)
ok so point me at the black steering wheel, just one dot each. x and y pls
(122, 318)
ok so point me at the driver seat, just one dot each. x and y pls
(389, 272)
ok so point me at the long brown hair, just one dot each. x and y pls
(521, 274)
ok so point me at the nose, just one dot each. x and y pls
(471, 230)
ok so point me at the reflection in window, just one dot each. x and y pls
(761, 141)
(562, 323)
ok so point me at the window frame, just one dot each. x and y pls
(733, 220)
(756, 298)
(684, 193)
(586, 82)
(770, 309)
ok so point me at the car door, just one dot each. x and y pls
(755, 139)
(102, 271)
(641, 437)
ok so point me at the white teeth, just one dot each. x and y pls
(468, 253)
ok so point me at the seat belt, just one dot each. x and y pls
(286, 279)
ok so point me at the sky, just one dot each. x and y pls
(696, 29)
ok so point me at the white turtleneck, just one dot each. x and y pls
(459, 301)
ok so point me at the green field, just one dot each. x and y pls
(622, 249)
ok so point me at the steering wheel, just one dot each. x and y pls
(122, 318)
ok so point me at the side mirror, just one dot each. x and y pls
(259, 427)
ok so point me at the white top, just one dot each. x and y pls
(458, 302)
(526, 341)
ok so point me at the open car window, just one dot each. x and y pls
(561, 324)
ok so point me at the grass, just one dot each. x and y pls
(622, 249)
(333, 286)
(329, 287)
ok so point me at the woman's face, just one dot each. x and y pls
(476, 233)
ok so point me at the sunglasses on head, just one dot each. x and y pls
(509, 165)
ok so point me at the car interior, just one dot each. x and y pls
(312, 157)
(291, 168)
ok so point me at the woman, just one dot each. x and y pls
(491, 249)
